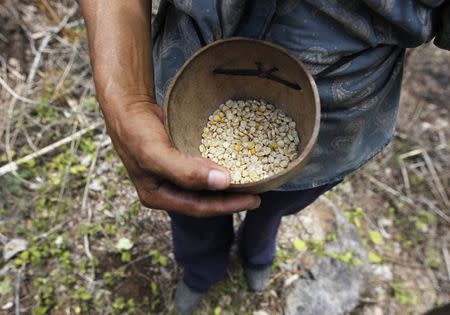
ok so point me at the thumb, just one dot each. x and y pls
(191, 172)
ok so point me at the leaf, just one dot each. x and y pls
(162, 260)
(124, 244)
(346, 257)
(77, 169)
(85, 296)
(42, 310)
(154, 288)
(5, 286)
(374, 258)
(217, 310)
(376, 237)
(299, 244)
(125, 256)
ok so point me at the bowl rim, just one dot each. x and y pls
(303, 157)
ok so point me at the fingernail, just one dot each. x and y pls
(256, 203)
(218, 179)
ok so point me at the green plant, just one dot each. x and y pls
(355, 216)
(158, 258)
(402, 295)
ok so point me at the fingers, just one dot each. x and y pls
(195, 203)
(145, 137)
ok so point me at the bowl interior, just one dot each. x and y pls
(196, 92)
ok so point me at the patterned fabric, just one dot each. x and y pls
(359, 100)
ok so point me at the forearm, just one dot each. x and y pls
(119, 35)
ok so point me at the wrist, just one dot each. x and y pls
(120, 108)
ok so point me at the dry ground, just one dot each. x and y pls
(75, 204)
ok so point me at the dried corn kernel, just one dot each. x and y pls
(252, 139)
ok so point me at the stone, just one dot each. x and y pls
(8, 305)
(14, 247)
(383, 272)
(96, 185)
(372, 310)
(329, 286)
(291, 279)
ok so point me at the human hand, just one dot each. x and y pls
(165, 178)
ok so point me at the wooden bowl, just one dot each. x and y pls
(241, 68)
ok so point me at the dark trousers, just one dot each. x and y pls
(202, 245)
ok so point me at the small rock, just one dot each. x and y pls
(86, 160)
(225, 300)
(13, 62)
(290, 280)
(260, 312)
(346, 187)
(96, 185)
(13, 247)
(372, 310)
(426, 125)
(380, 294)
(166, 275)
(330, 286)
(59, 240)
(124, 244)
(383, 272)
(7, 306)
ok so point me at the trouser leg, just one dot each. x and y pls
(201, 247)
(258, 232)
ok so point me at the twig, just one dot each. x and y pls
(429, 163)
(17, 293)
(13, 166)
(438, 211)
(15, 95)
(85, 198)
(37, 58)
(410, 154)
(368, 300)
(52, 230)
(66, 71)
(3, 239)
(436, 179)
(28, 138)
(446, 259)
(390, 190)
(405, 176)
(404, 199)
(137, 259)
(44, 43)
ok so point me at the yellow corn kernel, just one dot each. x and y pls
(238, 147)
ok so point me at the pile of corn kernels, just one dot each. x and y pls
(252, 139)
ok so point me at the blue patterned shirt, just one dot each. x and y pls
(359, 99)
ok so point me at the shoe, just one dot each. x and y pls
(258, 279)
(186, 300)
